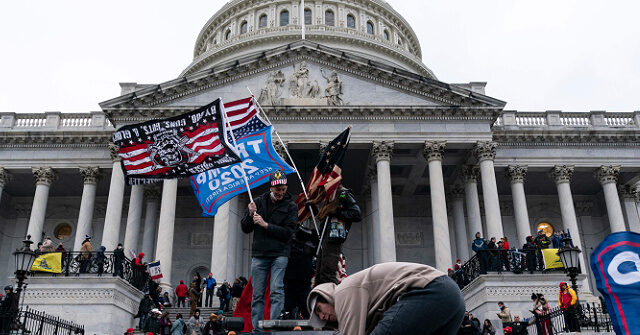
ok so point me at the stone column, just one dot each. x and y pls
(373, 219)
(224, 241)
(4, 180)
(456, 195)
(90, 177)
(433, 152)
(152, 195)
(470, 174)
(132, 231)
(164, 245)
(629, 196)
(485, 152)
(516, 174)
(562, 174)
(113, 215)
(386, 231)
(608, 177)
(44, 176)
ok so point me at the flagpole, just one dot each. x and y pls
(235, 144)
(295, 168)
(302, 18)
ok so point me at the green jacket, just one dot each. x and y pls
(152, 324)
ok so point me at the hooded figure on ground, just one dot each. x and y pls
(389, 298)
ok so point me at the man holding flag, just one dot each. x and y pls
(272, 218)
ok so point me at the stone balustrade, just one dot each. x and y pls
(54, 121)
(550, 119)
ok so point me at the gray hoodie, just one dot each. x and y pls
(361, 298)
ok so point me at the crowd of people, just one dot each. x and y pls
(496, 255)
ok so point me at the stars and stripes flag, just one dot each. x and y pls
(243, 117)
(325, 178)
(179, 146)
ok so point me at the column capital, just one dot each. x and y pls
(113, 151)
(607, 174)
(456, 191)
(517, 173)
(433, 150)
(562, 173)
(628, 192)
(90, 175)
(382, 150)
(5, 177)
(152, 192)
(44, 175)
(469, 173)
(322, 146)
(281, 149)
(485, 150)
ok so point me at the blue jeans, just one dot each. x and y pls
(260, 268)
(435, 309)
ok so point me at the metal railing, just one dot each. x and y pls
(515, 261)
(30, 321)
(582, 317)
(78, 263)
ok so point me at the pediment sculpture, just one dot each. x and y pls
(303, 89)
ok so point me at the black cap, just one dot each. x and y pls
(278, 177)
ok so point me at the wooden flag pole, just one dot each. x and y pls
(295, 168)
(235, 144)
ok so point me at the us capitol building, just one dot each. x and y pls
(431, 163)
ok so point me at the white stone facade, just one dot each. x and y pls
(415, 141)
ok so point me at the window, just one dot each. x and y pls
(351, 21)
(546, 228)
(243, 27)
(329, 18)
(369, 27)
(284, 18)
(262, 21)
(62, 231)
(386, 35)
(227, 35)
(307, 16)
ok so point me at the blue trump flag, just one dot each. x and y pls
(616, 266)
(215, 187)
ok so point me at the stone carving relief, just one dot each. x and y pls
(201, 239)
(270, 94)
(303, 88)
(409, 239)
(333, 92)
(301, 85)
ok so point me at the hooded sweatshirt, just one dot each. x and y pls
(361, 299)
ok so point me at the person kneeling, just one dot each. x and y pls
(389, 298)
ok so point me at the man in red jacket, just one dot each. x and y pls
(181, 292)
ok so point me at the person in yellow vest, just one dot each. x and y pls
(567, 300)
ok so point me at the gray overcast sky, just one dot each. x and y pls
(573, 55)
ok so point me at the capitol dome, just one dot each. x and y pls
(368, 28)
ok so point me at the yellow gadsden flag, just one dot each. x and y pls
(551, 259)
(51, 262)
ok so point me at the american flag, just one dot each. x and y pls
(325, 178)
(243, 117)
(341, 272)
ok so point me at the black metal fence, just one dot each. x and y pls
(591, 317)
(517, 261)
(30, 321)
(77, 263)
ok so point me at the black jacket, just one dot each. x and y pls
(282, 219)
(349, 211)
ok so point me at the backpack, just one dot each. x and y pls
(185, 329)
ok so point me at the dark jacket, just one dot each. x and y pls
(213, 327)
(10, 303)
(236, 290)
(118, 254)
(282, 219)
(349, 211)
